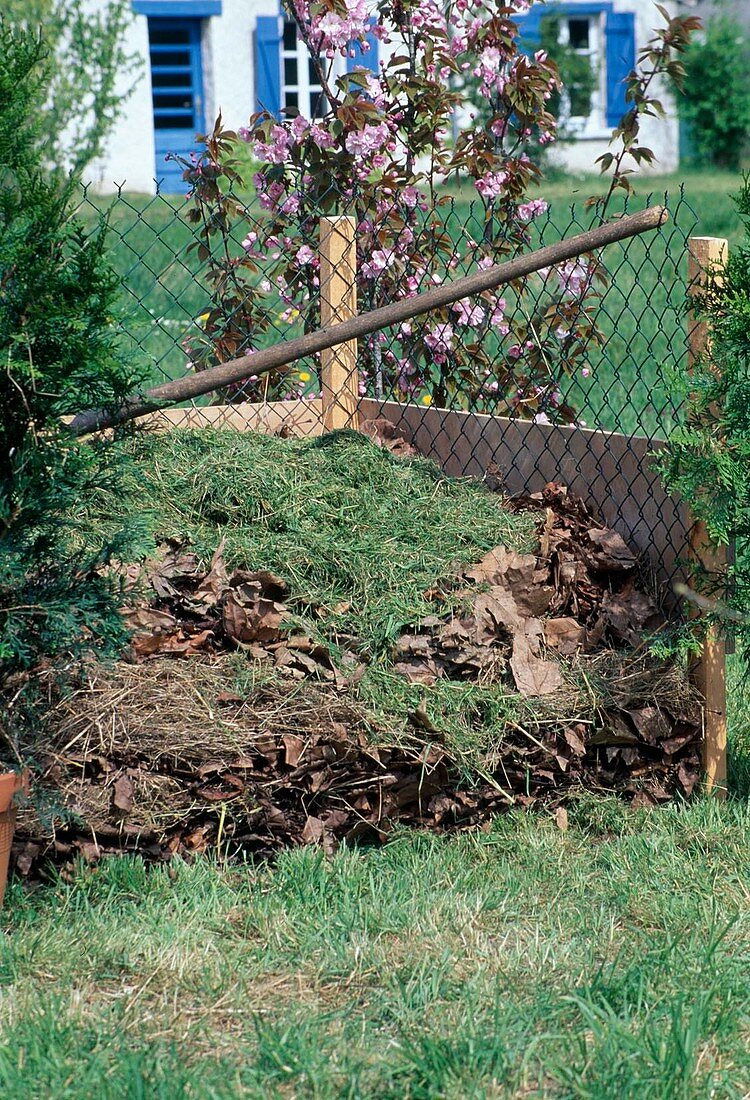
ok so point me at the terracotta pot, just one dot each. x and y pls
(10, 784)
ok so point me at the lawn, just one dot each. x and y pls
(608, 961)
(641, 317)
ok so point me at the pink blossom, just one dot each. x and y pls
(321, 136)
(440, 341)
(533, 209)
(305, 255)
(379, 260)
(290, 204)
(497, 317)
(429, 17)
(299, 127)
(468, 314)
(369, 140)
(491, 184)
(276, 149)
(574, 277)
(373, 89)
(515, 351)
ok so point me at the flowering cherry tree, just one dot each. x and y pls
(385, 148)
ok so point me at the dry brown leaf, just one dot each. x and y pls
(215, 583)
(313, 831)
(293, 749)
(566, 635)
(150, 620)
(575, 741)
(248, 613)
(386, 435)
(172, 564)
(496, 614)
(533, 675)
(652, 723)
(417, 672)
(608, 551)
(630, 614)
(123, 794)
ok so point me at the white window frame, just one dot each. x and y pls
(305, 91)
(595, 123)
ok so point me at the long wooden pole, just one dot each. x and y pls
(260, 362)
(338, 302)
(705, 256)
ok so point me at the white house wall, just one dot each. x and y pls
(229, 60)
(129, 157)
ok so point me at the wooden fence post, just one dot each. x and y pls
(338, 302)
(705, 254)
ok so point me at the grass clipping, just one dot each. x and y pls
(330, 640)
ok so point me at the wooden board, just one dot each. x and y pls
(613, 472)
(294, 418)
(338, 303)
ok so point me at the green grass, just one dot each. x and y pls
(358, 535)
(642, 317)
(611, 961)
(361, 538)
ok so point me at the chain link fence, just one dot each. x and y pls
(565, 376)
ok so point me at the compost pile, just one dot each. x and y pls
(163, 755)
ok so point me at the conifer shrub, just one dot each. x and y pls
(59, 353)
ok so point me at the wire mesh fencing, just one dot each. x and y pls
(523, 386)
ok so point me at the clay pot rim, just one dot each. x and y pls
(10, 784)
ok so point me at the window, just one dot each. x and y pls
(176, 93)
(582, 106)
(285, 77)
(301, 84)
(604, 38)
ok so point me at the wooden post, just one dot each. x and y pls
(338, 302)
(705, 254)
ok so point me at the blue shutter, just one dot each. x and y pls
(367, 60)
(268, 64)
(529, 27)
(620, 58)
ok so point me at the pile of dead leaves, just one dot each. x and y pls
(576, 594)
(161, 759)
(185, 611)
(159, 756)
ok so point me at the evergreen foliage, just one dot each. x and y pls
(58, 354)
(708, 456)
